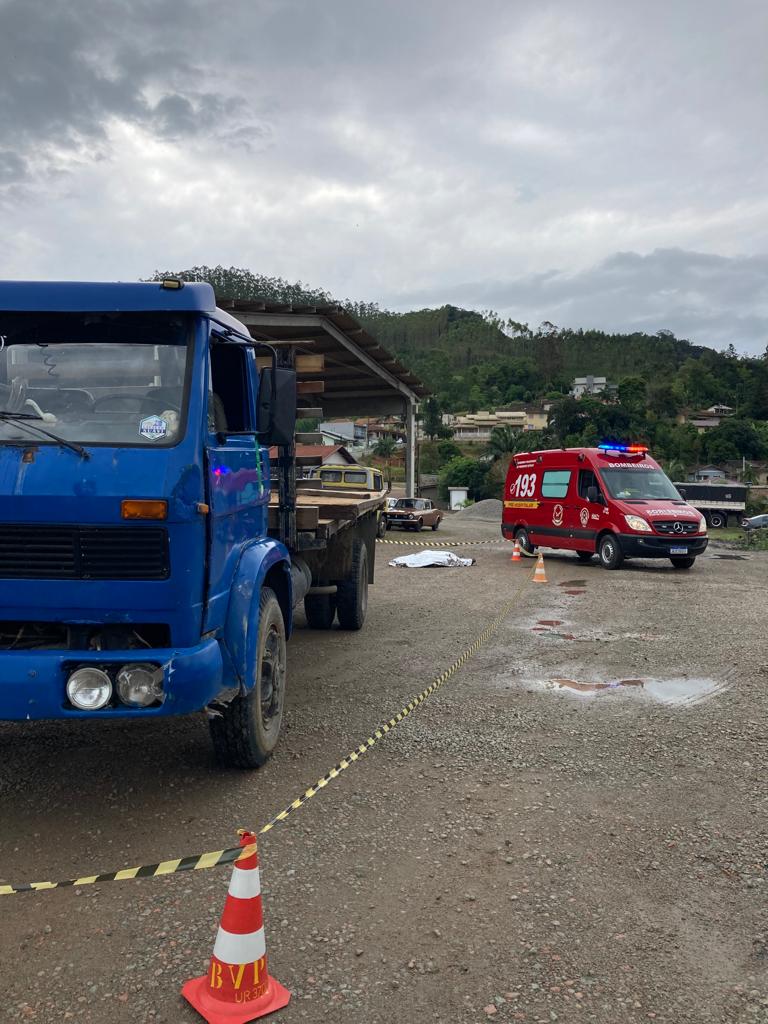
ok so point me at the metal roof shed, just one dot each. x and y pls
(357, 375)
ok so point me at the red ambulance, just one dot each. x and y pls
(613, 501)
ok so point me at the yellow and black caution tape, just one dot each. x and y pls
(212, 859)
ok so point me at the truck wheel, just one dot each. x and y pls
(352, 593)
(381, 526)
(320, 610)
(584, 556)
(682, 563)
(524, 541)
(717, 519)
(247, 730)
(610, 553)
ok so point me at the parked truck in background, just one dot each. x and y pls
(716, 502)
(148, 564)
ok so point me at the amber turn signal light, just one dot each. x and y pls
(136, 509)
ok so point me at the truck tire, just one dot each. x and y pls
(320, 610)
(352, 593)
(717, 520)
(609, 551)
(682, 563)
(247, 730)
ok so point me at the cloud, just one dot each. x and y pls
(390, 150)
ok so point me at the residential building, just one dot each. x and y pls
(353, 431)
(591, 385)
(478, 426)
(708, 419)
(309, 455)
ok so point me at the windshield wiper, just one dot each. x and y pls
(22, 418)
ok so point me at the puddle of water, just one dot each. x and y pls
(681, 691)
(575, 593)
(549, 622)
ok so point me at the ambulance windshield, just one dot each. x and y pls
(639, 485)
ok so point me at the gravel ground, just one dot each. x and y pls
(572, 829)
(488, 510)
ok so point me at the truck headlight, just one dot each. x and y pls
(89, 689)
(702, 525)
(139, 685)
(638, 523)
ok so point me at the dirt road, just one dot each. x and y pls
(572, 829)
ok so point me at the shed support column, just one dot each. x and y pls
(410, 449)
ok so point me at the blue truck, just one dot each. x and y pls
(149, 564)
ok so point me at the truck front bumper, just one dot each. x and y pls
(33, 683)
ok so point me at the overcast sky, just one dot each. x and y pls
(599, 163)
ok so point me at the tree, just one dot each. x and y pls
(734, 439)
(447, 450)
(431, 421)
(505, 440)
(633, 393)
(469, 473)
(385, 449)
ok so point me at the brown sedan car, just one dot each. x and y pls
(413, 514)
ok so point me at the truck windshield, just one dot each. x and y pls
(99, 379)
(639, 485)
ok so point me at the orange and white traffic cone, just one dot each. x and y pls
(516, 552)
(237, 987)
(539, 576)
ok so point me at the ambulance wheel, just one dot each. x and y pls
(320, 610)
(682, 563)
(584, 556)
(245, 732)
(523, 540)
(609, 552)
(352, 593)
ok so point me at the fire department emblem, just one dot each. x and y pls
(584, 516)
(557, 515)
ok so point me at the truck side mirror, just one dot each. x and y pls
(681, 491)
(593, 494)
(276, 421)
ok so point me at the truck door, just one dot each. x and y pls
(237, 472)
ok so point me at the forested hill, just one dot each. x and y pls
(474, 360)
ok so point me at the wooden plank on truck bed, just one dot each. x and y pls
(307, 517)
(310, 387)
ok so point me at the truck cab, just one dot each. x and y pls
(614, 501)
(137, 574)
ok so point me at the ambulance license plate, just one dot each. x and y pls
(678, 551)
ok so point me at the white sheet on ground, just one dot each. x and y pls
(424, 559)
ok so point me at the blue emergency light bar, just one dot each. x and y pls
(629, 449)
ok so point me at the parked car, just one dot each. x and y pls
(755, 523)
(413, 514)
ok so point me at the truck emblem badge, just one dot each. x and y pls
(584, 516)
(557, 515)
(153, 427)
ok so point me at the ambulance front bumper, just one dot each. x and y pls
(635, 545)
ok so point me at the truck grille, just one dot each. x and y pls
(35, 552)
(668, 526)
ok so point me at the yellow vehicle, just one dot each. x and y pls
(353, 478)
